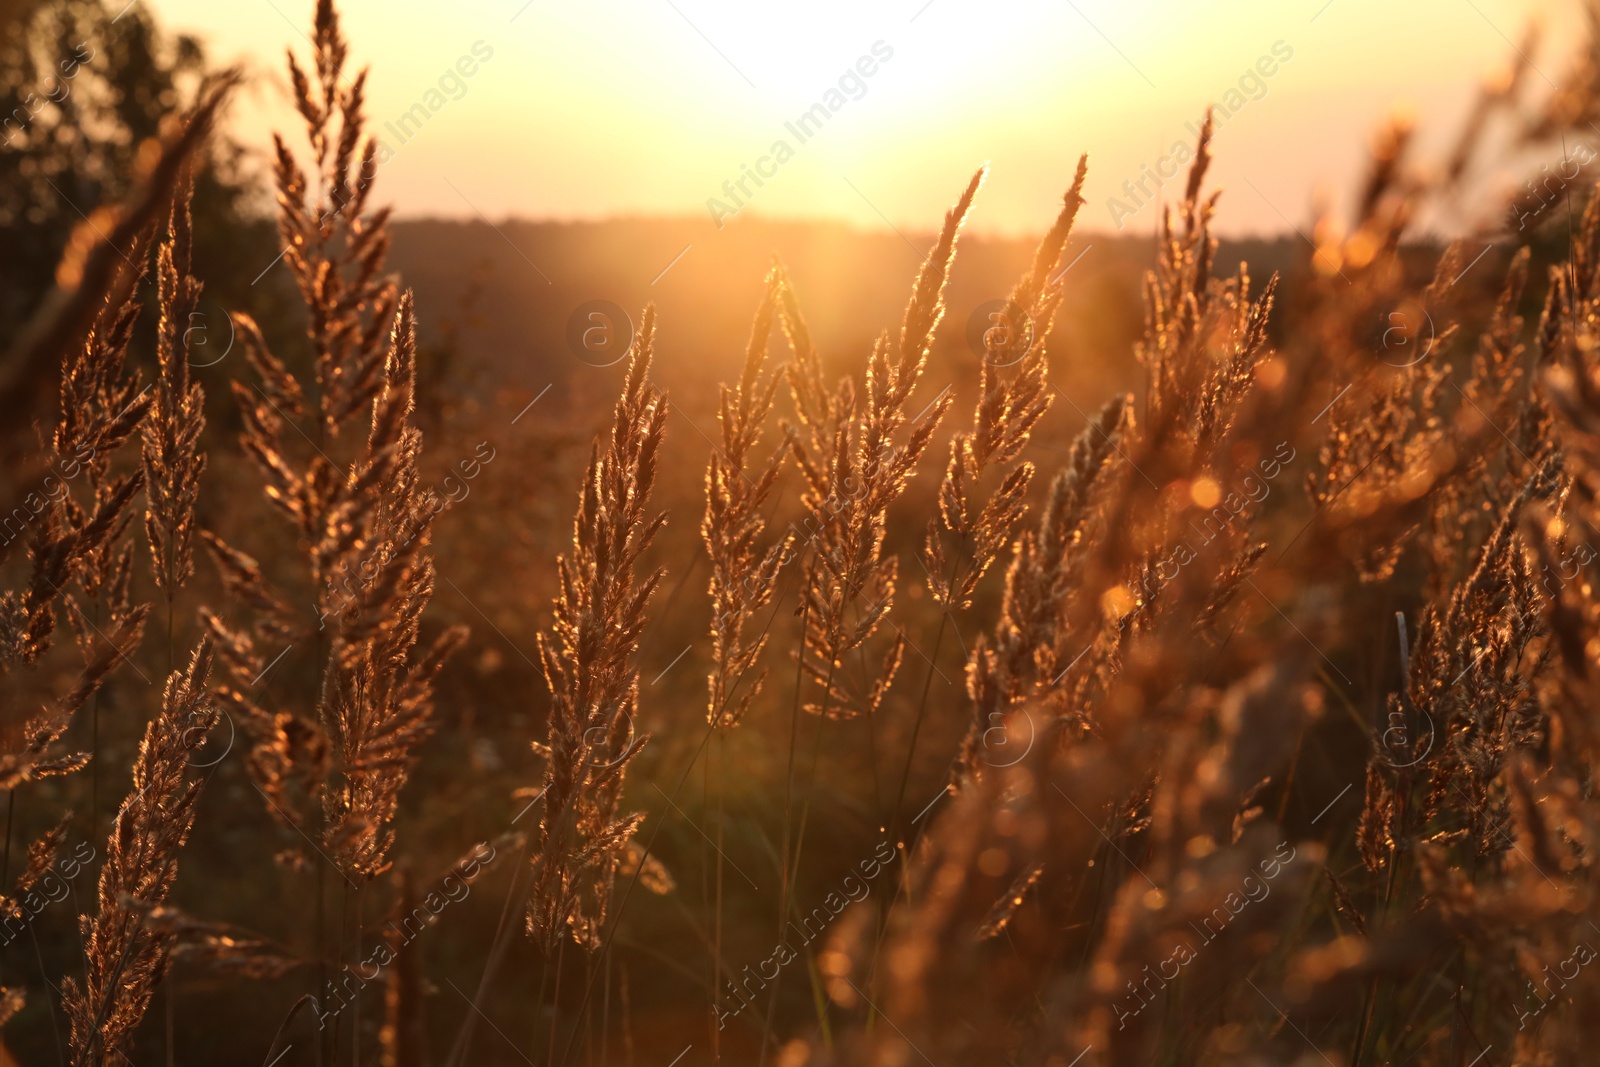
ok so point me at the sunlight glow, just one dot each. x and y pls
(650, 106)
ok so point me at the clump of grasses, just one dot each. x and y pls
(366, 520)
(126, 957)
(1278, 574)
(856, 453)
(588, 666)
(88, 324)
(743, 573)
(173, 458)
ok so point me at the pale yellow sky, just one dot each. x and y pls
(606, 107)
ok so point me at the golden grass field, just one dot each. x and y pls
(1211, 684)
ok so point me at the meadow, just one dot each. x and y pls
(938, 651)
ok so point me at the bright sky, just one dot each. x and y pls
(607, 107)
